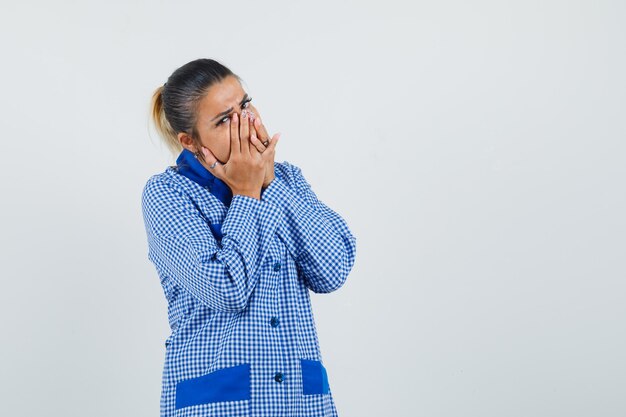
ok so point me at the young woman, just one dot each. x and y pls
(238, 240)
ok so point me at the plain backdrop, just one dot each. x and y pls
(475, 148)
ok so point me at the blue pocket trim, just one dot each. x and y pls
(226, 384)
(314, 377)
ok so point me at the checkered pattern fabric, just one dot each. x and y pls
(243, 340)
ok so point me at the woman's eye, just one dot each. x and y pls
(245, 105)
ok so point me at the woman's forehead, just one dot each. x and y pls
(223, 95)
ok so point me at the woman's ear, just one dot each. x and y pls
(187, 142)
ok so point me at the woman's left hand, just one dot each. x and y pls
(257, 136)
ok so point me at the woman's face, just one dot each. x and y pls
(214, 117)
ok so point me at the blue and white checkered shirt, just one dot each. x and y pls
(237, 278)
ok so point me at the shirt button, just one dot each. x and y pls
(278, 377)
(274, 321)
(276, 266)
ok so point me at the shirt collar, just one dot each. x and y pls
(190, 167)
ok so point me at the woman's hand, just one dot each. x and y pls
(245, 169)
(258, 135)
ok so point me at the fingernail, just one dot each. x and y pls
(235, 117)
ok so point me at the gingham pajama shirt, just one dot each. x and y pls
(237, 278)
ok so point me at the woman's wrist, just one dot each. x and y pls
(265, 185)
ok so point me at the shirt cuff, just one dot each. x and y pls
(278, 192)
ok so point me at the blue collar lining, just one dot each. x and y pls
(190, 167)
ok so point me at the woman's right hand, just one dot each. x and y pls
(245, 169)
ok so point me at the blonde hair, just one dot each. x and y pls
(162, 125)
(174, 104)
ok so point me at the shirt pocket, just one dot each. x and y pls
(214, 390)
(314, 377)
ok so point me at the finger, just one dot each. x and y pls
(254, 138)
(270, 151)
(235, 145)
(272, 146)
(260, 128)
(256, 142)
(254, 132)
(244, 132)
(210, 159)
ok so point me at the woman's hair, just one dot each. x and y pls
(174, 104)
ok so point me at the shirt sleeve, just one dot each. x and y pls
(317, 237)
(181, 244)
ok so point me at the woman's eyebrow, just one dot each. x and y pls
(224, 113)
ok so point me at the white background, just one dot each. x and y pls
(475, 148)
